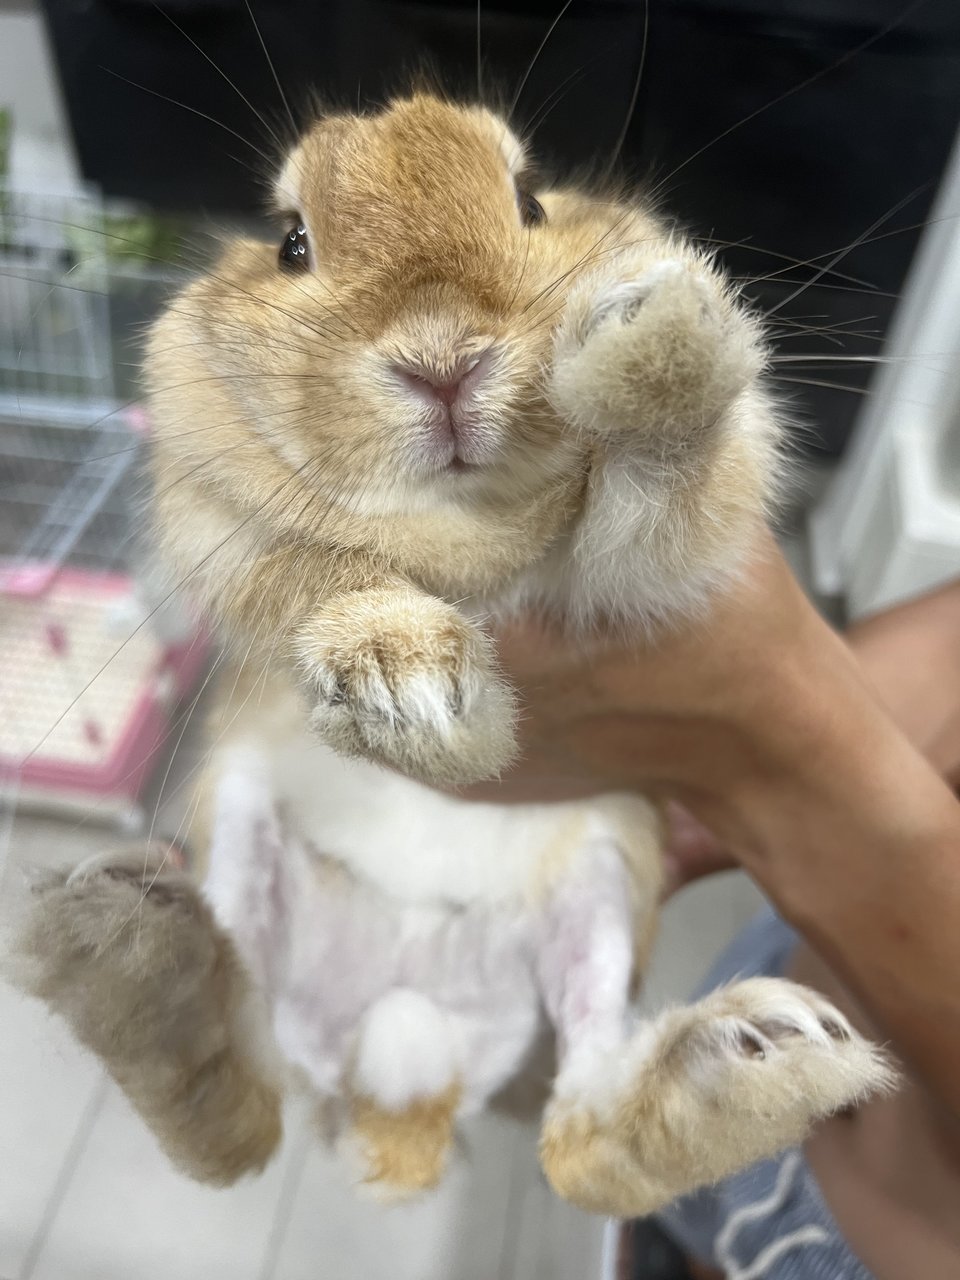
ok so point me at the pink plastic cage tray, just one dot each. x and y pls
(88, 688)
(92, 707)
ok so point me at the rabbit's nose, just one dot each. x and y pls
(445, 381)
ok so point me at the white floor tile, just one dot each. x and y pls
(47, 1086)
(456, 1233)
(554, 1240)
(127, 1215)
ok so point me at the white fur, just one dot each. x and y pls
(287, 185)
(419, 845)
(511, 148)
(423, 960)
(406, 1050)
(408, 942)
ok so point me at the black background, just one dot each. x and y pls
(805, 177)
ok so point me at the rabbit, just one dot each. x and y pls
(450, 397)
(453, 401)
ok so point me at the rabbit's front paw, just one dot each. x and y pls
(405, 680)
(653, 352)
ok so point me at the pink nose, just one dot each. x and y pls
(447, 382)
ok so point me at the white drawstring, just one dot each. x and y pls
(809, 1235)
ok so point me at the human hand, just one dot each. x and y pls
(756, 718)
(759, 722)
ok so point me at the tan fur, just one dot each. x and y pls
(150, 984)
(633, 1148)
(397, 639)
(247, 699)
(126, 950)
(404, 1151)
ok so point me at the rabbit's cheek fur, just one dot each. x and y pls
(363, 424)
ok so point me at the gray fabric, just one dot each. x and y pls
(770, 1222)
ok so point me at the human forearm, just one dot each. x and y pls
(857, 839)
(854, 837)
(876, 889)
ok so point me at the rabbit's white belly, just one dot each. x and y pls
(350, 946)
(327, 948)
(345, 886)
(419, 845)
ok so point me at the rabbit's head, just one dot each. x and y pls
(390, 347)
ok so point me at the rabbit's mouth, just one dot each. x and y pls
(458, 402)
(460, 466)
(461, 443)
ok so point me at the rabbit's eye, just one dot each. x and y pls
(532, 212)
(294, 254)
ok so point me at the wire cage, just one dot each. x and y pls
(88, 684)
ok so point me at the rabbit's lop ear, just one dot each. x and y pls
(304, 171)
(514, 153)
(287, 191)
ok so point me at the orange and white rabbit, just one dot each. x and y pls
(448, 399)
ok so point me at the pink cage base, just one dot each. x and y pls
(123, 773)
